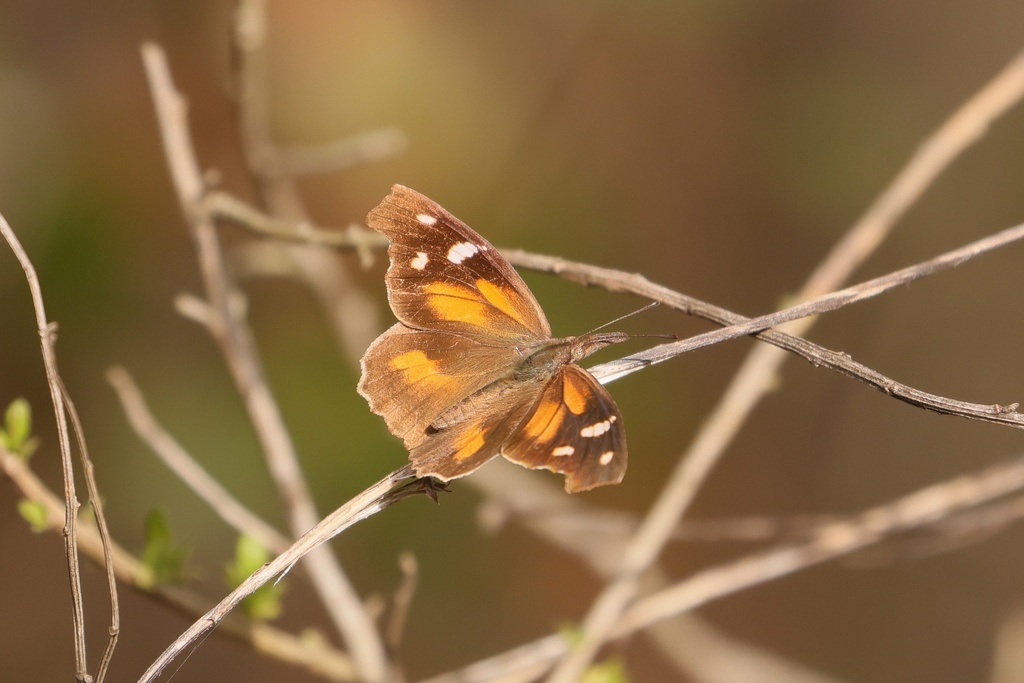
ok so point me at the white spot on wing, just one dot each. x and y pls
(598, 428)
(606, 457)
(563, 450)
(462, 251)
(420, 262)
(425, 219)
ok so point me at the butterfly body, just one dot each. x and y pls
(471, 370)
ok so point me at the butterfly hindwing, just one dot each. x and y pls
(410, 377)
(444, 276)
(473, 433)
(575, 429)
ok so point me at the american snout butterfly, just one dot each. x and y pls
(471, 370)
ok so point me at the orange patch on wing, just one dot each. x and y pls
(575, 394)
(416, 367)
(453, 302)
(544, 424)
(471, 442)
(500, 298)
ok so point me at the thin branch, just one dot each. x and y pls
(686, 641)
(319, 659)
(366, 504)
(754, 377)
(1008, 657)
(47, 339)
(238, 348)
(188, 470)
(764, 327)
(925, 506)
(402, 600)
(619, 281)
(369, 147)
(739, 326)
(104, 533)
(355, 318)
(229, 208)
(936, 504)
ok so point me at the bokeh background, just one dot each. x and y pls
(719, 148)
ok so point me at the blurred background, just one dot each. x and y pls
(717, 148)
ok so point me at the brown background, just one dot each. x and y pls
(718, 148)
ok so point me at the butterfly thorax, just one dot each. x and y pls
(544, 359)
(540, 362)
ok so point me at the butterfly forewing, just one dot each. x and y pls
(444, 276)
(575, 429)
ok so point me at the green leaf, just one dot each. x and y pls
(34, 513)
(265, 603)
(18, 421)
(572, 633)
(611, 671)
(162, 556)
(16, 435)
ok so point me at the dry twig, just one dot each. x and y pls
(239, 351)
(263, 638)
(188, 470)
(928, 506)
(369, 502)
(754, 377)
(62, 403)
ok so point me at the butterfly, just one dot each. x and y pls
(471, 370)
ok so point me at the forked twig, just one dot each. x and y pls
(333, 285)
(59, 399)
(237, 346)
(317, 658)
(106, 544)
(926, 506)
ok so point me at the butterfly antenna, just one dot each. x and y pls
(629, 315)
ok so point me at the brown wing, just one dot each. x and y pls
(473, 432)
(410, 377)
(444, 276)
(574, 428)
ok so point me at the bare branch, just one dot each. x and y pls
(926, 506)
(936, 504)
(354, 315)
(340, 155)
(766, 327)
(754, 377)
(366, 504)
(188, 470)
(320, 659)
(104, 533)
(239, 351)
(739, 326)
(401, 602)
(47, 339)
